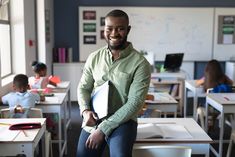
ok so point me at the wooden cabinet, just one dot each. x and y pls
(69, 72)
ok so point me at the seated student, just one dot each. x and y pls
(20, 101)
(40, 80)
(214, 76)
(214, 80)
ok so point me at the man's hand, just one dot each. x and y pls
(89, 118)
(95, 139)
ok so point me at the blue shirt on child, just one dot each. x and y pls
(26, 99)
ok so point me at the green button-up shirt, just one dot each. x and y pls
(130, 78)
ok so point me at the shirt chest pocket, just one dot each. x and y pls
(123, 81)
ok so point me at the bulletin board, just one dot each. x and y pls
(159, 30)
(224, 41)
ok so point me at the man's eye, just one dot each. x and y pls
(108, 29)
(121, 29)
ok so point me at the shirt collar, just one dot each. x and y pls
(123, 53)
(19, 93)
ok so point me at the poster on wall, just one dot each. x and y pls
(89, 39)
(228, 29)
(89, 27)
(226, 32)
(89, 15)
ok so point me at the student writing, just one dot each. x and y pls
(20, 100)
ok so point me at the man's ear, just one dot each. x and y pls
(28, 87)
(128, 29)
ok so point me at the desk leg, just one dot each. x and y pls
(206, 118)
(66, 125)
(221, 136)
(185, 101)
(70, 106)
(43, 145)
(60, 133)
(195, 104)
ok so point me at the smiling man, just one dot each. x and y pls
(129, 75)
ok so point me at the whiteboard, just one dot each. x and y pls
(159, 30)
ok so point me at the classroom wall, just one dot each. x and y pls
(66, 16)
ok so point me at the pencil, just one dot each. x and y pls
(5, 124)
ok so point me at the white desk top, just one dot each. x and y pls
(223, 98)
(176, 75)
(198, 134)
(161, 97)
(20, 136)
(58, 99)
(63, 86)
(191, 85)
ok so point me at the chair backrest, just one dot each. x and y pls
(5, 113)
(33, 113)
(161, 151)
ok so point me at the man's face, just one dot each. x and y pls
(115, 32)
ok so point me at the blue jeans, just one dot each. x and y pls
(120, 142)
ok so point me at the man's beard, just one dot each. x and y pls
(120, 46)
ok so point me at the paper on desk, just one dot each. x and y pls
(62, 85)
(8, 135)
(167, 131)
(52, 99)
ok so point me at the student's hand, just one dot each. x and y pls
(42, 98)
(200, 82)
(89, 118)
(18, 109)
(95, 139)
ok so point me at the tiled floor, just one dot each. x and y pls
(74, 131)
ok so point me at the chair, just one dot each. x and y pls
(145, 112)
(161, 151)
(33, 113)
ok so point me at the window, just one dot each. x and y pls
(5, 39)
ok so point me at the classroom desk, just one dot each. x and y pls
(170, 79)
(197, 91)
(22, 144)
(58, 104)
(163, 102)
(64, 87)
(200, 143)
(224, 103)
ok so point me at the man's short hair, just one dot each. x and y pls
(118, 13)
(20, 81)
